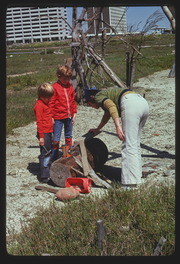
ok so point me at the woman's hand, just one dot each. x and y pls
(120, 133)
(95, 131)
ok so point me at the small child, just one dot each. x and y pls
(44, 122)
(63, 107)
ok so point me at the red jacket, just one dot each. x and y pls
(43, 118)
(63, 102)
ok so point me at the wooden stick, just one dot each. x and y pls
(85, 162)
(44, 188)
(93, 176)
(158, 249)
(77, 171)
(100, 233)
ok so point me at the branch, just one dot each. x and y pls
(152, 21)
(98, 24)
(115, 32)
(169, 16)
(78, 26)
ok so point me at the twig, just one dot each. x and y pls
(100, 230)
(158, 249)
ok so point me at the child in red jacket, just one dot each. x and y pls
(44, 122)
(63, 107)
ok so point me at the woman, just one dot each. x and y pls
(133, 110)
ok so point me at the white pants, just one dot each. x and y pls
(134, 113)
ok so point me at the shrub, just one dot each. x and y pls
(134, 221)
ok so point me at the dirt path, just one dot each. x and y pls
(158, 151)
(22, 74)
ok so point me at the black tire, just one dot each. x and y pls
(98, 150)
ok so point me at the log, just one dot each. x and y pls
(59, 171)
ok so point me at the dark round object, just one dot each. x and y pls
(59, 173)
(98, 150)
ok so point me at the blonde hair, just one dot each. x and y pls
(64, 71)
(45, 90)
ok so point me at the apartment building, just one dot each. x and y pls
(114, 16)
(35, 24)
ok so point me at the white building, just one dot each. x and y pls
(35, 24)
(113, 16)
(117, 18)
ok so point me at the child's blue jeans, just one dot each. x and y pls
(45, 173)
(58, 126)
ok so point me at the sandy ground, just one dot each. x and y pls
(158, 151)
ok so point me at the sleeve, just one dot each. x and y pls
(52, 102)
(73, 101)
(38, 110)
(111, 108)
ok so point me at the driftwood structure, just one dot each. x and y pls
(88, 65)
(86, 62)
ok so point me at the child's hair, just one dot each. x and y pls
(45, 90)
(64, 71)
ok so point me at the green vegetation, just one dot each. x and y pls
(43, 67)
(134, 221)
(20, 108)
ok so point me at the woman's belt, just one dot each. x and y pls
(124, 92)
(128, 92)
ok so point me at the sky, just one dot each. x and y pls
(135, 15)
(138, 14)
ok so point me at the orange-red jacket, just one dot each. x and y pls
(63, 102)
(43, 118)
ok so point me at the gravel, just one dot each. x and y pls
(158, 152)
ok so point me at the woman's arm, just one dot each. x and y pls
(112, 109)
(104, 120)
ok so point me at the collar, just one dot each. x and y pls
(64, 85)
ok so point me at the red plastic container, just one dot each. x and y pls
(83, 185)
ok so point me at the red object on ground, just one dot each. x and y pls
(83, 185)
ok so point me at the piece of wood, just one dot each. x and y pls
(72, 168)
(105, 67)
(158, 249)
(84, 159)
(170, 16)
(45, 188)
(59, 172)
(98, 181)
(100, 229)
